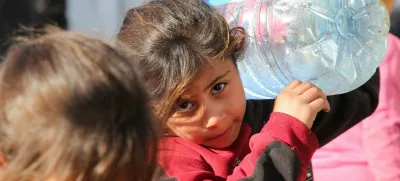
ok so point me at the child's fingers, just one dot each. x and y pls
(327, 107)
(315, 93)
(311, 94)
(303, 88)
(292, 85)
(320, 104)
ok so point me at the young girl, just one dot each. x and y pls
(72, 108)
(188, 56)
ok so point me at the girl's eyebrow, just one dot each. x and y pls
(217, 79)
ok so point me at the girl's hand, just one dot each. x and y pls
(302, 101)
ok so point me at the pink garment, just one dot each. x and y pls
(370, 151)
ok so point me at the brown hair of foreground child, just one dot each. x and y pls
(72, 108)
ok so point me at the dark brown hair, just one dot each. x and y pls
(172, 41)
(73, 108)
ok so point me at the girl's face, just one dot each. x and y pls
(212, 110)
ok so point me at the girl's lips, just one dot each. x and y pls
(223, 136)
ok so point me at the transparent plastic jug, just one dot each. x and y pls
(335, 44)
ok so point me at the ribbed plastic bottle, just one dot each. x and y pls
(335, 44)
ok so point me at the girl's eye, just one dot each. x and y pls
(218, 88)
(185, 106)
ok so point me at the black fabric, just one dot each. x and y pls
(257, 114)
(160, 175)
(395, 21)
(28, 13)
(309, 175)
(346, 111)
(12, 14)
(278, 162)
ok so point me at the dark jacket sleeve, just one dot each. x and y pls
(346, 111)
(277, 163)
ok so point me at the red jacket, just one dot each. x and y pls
(283, 139)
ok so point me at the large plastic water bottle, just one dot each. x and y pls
(335, 44)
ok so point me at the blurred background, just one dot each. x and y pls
(99, 18)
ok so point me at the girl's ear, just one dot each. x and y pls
(389, 4)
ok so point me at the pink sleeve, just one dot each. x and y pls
(381, 136)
